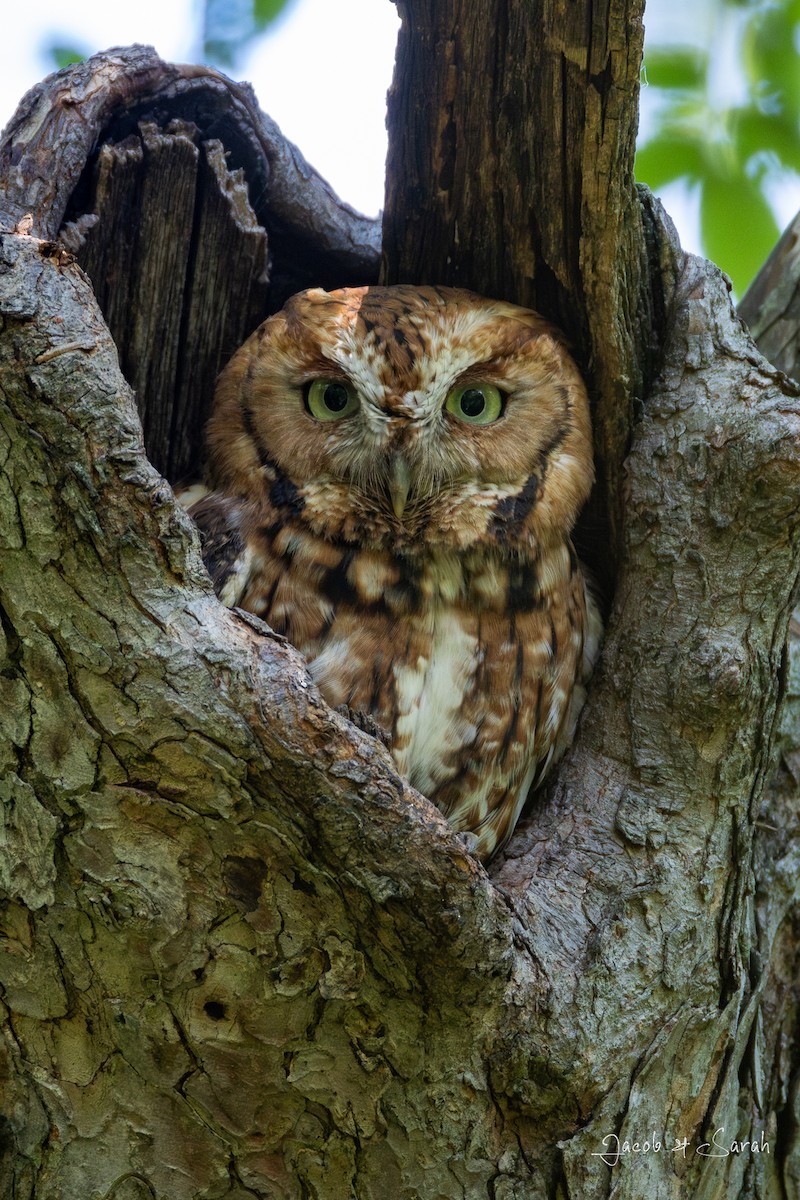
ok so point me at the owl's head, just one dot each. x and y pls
(401, 414)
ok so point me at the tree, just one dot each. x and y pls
(731, 144)
(243, 958)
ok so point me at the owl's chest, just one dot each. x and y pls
(413, 676)
(460, 662)
(467, 698)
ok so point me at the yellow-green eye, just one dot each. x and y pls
(331, 399)
(478, 403)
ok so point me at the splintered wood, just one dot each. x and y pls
(179, 265)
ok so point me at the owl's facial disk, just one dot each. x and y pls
(403, 398)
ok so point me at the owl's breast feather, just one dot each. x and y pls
(472, 662)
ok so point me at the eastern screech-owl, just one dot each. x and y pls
(396, 473)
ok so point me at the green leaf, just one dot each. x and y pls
(231, 26)
(266, 11)
(668, 156)
(770, 52)
(64, 56)
(736, 225)
(675, 67)
(755, 132)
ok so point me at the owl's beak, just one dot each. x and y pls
(399, 485)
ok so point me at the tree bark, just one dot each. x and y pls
(771, 306)
(242, 957)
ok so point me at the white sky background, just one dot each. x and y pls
(322, 75)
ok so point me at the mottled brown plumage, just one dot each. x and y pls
(395, 474)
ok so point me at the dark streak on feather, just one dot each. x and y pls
(538, 715)
(335, 584)
(405, 595)
(550, 447)
(512, 511)
(283, 492)
(523, 591)
(271, 597)
(377, 688)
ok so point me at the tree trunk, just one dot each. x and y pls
(242, 956)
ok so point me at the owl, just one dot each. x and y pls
(394, 473)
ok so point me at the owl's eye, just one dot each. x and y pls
(478, 403)
(330, 399)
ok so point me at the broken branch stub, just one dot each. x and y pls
(192, 215)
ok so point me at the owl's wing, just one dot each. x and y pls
(226, 553)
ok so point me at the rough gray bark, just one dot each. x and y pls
(243, 958)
